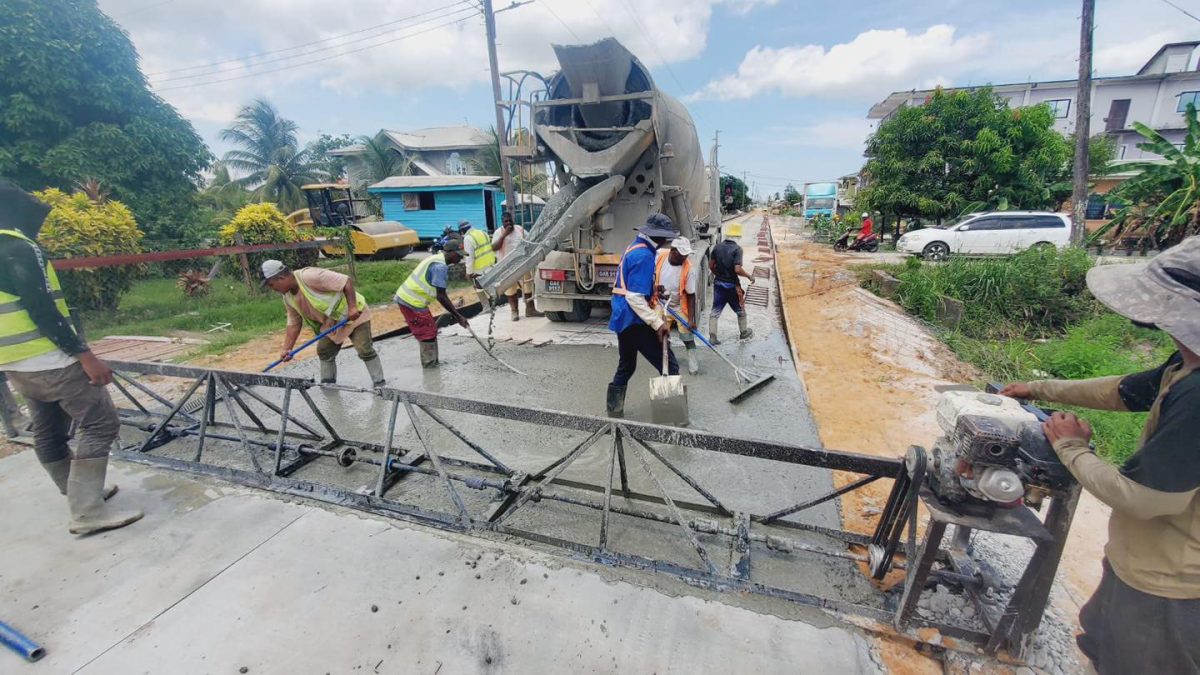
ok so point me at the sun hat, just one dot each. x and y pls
(659, 225)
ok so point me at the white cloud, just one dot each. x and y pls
(747, 6)
(837, 133)
(874, 61)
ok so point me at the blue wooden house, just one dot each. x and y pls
(428, 204)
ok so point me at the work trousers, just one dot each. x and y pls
(1128, 631)
(56, 397)
(360, 337)
(640, 338)
(727, 295)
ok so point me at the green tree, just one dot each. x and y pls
(332, 166)
(791, 195)
(961, 147)
(275, 167)
(74, 105)
(220, 200)
(1163, 200)
(487, 163)
(734, 194)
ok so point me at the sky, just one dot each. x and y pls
(786, 83)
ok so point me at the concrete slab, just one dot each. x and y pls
(216, 579)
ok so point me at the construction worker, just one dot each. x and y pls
(477, 247)
(51, 366)
(321, 298)
(1145, 615)
(507, 240)
(674, 273)
(725, 262)
(428, 281)
(639, 328)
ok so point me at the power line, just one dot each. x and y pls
(559, 18)
(306, 44)
(472, 13)
(1192, 16)
(653, 44)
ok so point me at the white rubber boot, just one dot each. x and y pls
(328, 372)
(712, 330)
(85, 495)
(375, 370)
(692, 361)
(744, 329)
(429, 354)
(60, 471)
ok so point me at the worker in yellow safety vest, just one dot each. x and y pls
(477, 248)
(52, 367)
(675, 275)
(321, 298)
(427, 282)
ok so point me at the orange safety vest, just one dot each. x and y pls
(683, 277)
(619, 285)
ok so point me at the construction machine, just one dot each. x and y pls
(622, 150)
(333, 205)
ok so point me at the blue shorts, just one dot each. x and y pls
(726, 295)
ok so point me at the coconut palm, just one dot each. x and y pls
(1163, 200)
(270, 157)
(380, 161)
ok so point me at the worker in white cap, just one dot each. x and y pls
(676, 277)
(321, 298)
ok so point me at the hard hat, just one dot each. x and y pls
(682, 244)
(733, 230)
(866, 215)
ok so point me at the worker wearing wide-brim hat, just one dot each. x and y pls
(639, 328)
(321, 298)
(1145, 615)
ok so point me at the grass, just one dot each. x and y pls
(1030, 317)
(158, 307)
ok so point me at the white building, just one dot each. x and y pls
(1157, 95)
(436, 151)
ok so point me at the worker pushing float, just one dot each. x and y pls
(429, 281)
(638, 327)
(321, 298)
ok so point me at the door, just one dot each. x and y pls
(1045, 229)
(489, 210)
(1118, 111)
(979, 237)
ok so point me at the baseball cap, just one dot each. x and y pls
(452, 245)
(464, 224)
(683, 245)
(659, 225)
(272, 268)
(1164, 292)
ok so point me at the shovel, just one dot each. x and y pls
(756, 382)
(668, 395)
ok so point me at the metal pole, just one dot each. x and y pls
(1083, 115)
(489, 21)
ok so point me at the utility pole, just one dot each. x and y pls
(1083, 116)
(489, 20)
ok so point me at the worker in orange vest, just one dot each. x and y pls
(675, 275)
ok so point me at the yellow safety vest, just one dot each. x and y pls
(321, 304)
(683, 279)
(416, 291)
(19, 337)
(484, 256)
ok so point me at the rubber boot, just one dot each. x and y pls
(693, 362)
(530, 310)
(375, 370)
(514, 307)
(744, 330)
(712, 330)
(429, 354)
(615, 401)
(85, 495)
(328, 372)
(59, 472)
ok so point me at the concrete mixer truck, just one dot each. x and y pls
(622, 150)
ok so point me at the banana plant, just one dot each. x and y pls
(1163, 199)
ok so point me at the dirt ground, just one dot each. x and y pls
(873, 377)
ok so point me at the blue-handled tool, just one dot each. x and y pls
(756, 381)
(14, 640)
(304, 346)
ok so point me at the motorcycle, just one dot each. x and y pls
(850, 242)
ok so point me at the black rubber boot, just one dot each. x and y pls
(616, 401)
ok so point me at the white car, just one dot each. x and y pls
(987, 234)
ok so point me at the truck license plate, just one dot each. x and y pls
(606, 274)
(554, 286)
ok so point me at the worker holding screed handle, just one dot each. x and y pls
(725, 262)
(1145, 615)
(427, 282)
(321, 298)
(638, 326)
(675, 274)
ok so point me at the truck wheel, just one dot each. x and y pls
(581, 310)
(555, 317)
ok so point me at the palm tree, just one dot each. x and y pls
(270, 157)
(1163, 200)
(487, 163)
(380, 161)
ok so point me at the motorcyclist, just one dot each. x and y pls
(868, 228)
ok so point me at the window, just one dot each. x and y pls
(1185, 98)
(419, 201)
(985, 224)
(1048, 222)
(1061, 107)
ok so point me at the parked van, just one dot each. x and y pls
(989, 234)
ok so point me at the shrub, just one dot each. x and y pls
(79, 227)
(265, 224)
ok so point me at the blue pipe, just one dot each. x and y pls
(14, 640)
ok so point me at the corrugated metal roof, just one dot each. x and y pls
(401, 182)
(441, 138)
